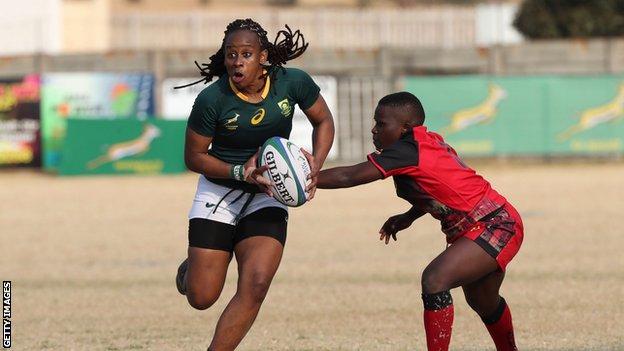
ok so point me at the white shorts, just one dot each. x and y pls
(209, 194)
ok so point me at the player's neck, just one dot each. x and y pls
(254, 92)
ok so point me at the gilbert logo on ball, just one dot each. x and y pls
(288, 171)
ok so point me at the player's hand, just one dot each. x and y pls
(393, 225)
(314, 167)
(253, 174)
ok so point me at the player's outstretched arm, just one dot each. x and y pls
(346, 177)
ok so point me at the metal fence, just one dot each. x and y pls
(357, 99)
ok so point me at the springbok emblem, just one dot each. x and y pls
(128, 148)
(480, 114)
(609, 112)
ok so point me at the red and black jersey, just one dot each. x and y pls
(429, 174)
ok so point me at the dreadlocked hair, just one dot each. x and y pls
(288, 45)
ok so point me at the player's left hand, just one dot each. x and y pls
(253, 174)
(393, 225)
(311, 188)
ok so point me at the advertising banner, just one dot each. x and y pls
(19, 122)
(546, 115)
(123, 146)
(90, 96)
(586, 115)
(177, 103)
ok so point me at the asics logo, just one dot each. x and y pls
(258, 117)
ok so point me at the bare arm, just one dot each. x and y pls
(198, 160)
(414, 213)
(346, 177)
(399, 222)
(322, 121)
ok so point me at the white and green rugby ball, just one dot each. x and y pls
(288, 171)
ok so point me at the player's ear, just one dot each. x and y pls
(406, 127)
(264, 56)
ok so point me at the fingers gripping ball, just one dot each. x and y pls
(288, 171)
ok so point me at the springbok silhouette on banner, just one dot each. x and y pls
(590, 118)
(128, 148)
(483, 113)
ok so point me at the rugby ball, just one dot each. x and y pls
(288, 170)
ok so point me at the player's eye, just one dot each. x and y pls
(247, 54)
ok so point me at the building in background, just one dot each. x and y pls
(54, 27)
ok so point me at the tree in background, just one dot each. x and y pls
(547, 19)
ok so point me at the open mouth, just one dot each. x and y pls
(238, 77)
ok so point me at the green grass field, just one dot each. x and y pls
(92, 261)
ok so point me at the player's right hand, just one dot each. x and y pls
(393, 225)
(253, 174)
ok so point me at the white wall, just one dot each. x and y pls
(30, 26)
(494, 24)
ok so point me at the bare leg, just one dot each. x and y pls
(461, 263)
(483, 297)
(205, 276)
(258, 259)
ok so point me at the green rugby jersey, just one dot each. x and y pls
(239, 127)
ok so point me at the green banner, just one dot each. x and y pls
(586, 115)
(89, 95)
(126, 146)
(482, 116)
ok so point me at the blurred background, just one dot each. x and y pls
(530, 92)
(498, 78)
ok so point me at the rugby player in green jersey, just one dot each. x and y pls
(252, 100)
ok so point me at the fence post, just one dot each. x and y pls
(156, 60)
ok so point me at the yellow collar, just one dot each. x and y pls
(244, 97)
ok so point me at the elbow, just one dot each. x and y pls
(190, 163)
(326, 123)
(334, 180)
(345, 181)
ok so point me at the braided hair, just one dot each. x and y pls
(282, 50)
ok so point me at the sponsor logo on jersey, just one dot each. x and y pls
(285, 107)
(258, 117)
(232, 123)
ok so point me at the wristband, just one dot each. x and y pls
(237, 172)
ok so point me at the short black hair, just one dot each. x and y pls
(407, 101)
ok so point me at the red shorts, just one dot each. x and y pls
(500, 235)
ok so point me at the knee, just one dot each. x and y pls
(483, 305)
(258, 287)
(474, 303)
(201, 301)
(433, 281)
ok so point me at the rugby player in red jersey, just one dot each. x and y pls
(483, 230)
